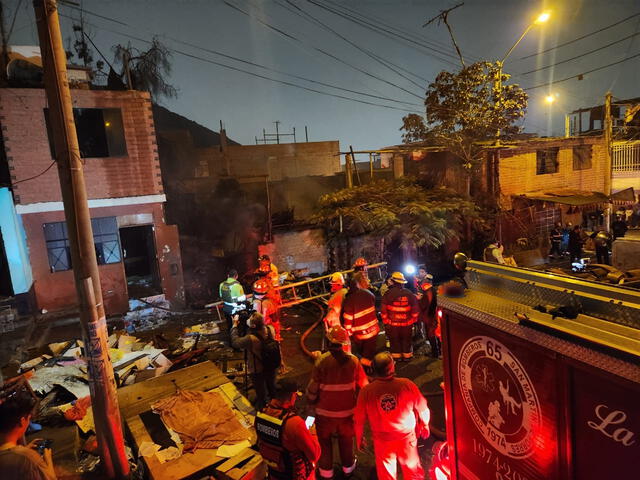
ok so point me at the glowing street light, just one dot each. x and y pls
(551, 98)
(542, 18)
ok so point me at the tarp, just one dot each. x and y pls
(569, 198)
(628, 195)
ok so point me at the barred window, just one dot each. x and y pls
(105, 239)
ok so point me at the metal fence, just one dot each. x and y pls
(626, 157)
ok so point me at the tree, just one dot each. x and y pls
(146, 70)
(468, 107)
(397, 210)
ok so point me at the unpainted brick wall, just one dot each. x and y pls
(286, 160)
(518, 170)
(297, 250)
(28, 154)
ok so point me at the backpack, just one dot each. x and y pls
(271, 357)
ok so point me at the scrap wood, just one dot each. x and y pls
(184, 359)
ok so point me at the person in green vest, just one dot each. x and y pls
(231, 292)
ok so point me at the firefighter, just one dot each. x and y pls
(399, 311)
(334, 306)
(360, 265)
(290, 450)
(231, 292)
(359, 318)
(427, 314)
(335, 380)
(266, 306)
(397, 414)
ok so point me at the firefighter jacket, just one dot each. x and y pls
(399, 307)
(334, 307)
(230, 291)
(267, 307)
(359, 314)
(288, 448)
(394, 407)
(335, 381)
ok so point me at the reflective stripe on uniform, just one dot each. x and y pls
(337, 387)
(393, 308)
(365, 312)
(334, 414)
(366, 326)
(271, 419)
(364, 336)
(347, 316)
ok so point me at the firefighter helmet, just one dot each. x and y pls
(601, 239)
(460, 260)
(264, 269)
(337, 278)
(338, 335)
(360, 264)
(383, 365)
(398, 277)
(261, 286)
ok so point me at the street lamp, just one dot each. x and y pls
(551, 98)
(542, 18)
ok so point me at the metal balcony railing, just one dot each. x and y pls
(626, 157)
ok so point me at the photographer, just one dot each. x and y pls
(264, 356)
(17, 404)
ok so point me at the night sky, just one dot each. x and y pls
(246, 104)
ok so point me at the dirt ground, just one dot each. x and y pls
(32, 338)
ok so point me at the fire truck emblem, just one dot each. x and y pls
(499, 396)
(388, 402)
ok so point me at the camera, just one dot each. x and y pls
(244, 311)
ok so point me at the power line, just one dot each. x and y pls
(264, 77)
(313, 19)
(237, 59)
(428, 42)
(279, 31)
(378, 29)
(582, 37)
(583, 73)
(582, 55)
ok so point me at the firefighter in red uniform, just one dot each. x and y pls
(399, 311)
(287, 446)
(335, 380)
(398, 414)
(334, 306)
(359, 318)
(266, 306)
(427, 305)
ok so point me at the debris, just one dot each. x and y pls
(71, 378)
(209, 328)
(147, 313)
(228, 451)
(88, 463)
(33, 362)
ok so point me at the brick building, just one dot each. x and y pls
(138, 252)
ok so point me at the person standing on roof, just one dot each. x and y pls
(334, 306)
(398, 414)
(399, 311)
(336, 378)
(290, 450)
(231, 293)
(359, 318)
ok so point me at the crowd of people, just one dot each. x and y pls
(340, 394)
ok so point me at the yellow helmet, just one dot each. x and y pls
(337, 278)
(398, 277)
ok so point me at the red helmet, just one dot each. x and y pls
(261, 286)
(337, 334)
(360, 264)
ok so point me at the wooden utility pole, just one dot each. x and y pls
(608, 170)
(104, 399)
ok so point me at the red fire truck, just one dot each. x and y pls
(542, 378)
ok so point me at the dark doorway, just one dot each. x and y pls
(140, 263)
(6, 289)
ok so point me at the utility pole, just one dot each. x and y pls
(277, 122)
(104, 399)
(443, 16)
(608, 170)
